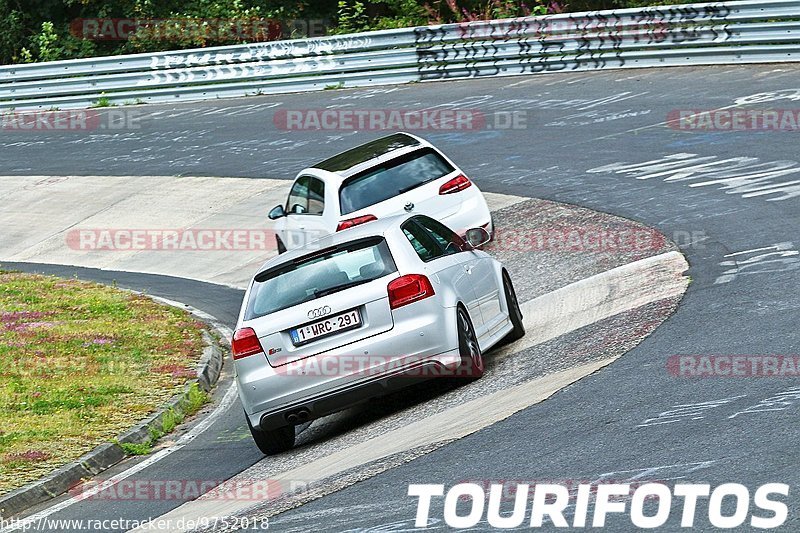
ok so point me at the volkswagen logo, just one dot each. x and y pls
(409, 206)
(319, 311)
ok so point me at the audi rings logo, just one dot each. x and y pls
(320, 311)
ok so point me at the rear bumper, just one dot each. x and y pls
(422, 344)
(354, 393)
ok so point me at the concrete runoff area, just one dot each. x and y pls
(95, 221)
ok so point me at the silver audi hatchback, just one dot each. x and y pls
(369, 309)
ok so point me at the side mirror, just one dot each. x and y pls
(277, 212)
(477, 237)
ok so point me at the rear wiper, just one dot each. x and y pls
(406, 189)
(336, 288)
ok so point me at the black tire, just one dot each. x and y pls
(471, 357)
(513, 310)
(272, 441)
(281, 246)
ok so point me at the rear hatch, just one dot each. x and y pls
(322, 301)
(387, 188)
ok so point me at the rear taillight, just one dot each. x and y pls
(408, 289)
(245, 342)
(459, 183)
(350, 222)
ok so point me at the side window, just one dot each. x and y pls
(424, 244)
(316, 196)
(298, 197)
(447, 239)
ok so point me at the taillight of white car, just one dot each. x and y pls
(457, 184)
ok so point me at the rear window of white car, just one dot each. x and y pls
(319, 274)
(392, 178)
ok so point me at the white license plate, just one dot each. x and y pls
(326, 326)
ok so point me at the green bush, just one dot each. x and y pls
(39, 30)
(12, 36)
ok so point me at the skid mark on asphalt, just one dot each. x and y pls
(746, 176)
(724, 409)
(780, 257)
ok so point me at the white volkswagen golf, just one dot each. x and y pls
(372, 309)
(389, 176)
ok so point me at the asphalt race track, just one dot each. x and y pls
(583, 142)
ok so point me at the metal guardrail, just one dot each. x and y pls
(696, 34)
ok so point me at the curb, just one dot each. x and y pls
(108, 454)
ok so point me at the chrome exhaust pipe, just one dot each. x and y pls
(303, 415)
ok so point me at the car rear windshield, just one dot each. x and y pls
(392, 178)
(319, 274)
